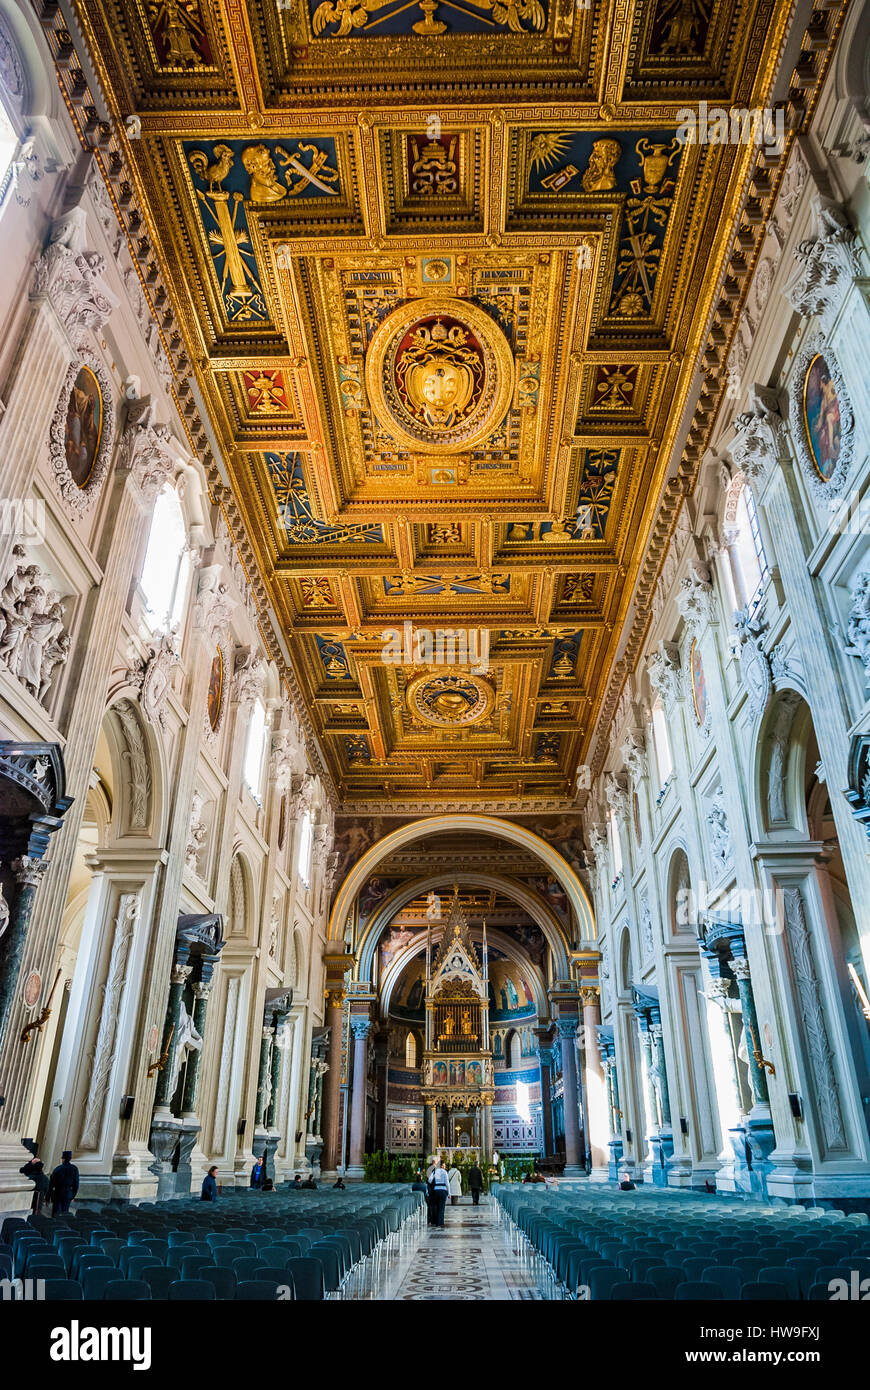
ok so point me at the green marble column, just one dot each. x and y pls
(28, 873)
(262, 1075)
(201, 992)
(167, 1079)
(757, 1073)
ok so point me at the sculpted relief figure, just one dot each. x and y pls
(33, 642)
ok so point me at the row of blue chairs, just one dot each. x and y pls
(619, 1246)
(322, 1249)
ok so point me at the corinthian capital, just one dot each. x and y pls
(215, 604)
(616, 793)
(288, 756)
(665, 672)
(826, 264)
(249, 678)
(760, 436)
(695, 599)
(148, 451)
(71, 279)
(634, 756)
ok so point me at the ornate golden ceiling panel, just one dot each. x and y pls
(443, 272)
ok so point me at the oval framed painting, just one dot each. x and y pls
(32, 989)
(821, 417)
(824, 432)
(699, 684)
(216, 691)
(80, 437)
(84, 426)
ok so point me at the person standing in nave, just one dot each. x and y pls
(454, 1179)
(258, 1172)
(64, 1183)
(209, 1185)
(34, 1169)
(440, 1193)
(475, 1183)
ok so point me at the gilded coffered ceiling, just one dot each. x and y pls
(443, 272)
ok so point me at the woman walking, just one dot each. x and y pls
(454, 1179)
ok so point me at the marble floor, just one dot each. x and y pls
(468, 1261)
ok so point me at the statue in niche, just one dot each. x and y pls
(187, 1040)
(466, 1022)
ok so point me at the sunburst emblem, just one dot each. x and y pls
(546, 147)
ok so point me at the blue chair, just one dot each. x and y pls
(256, 1290)
(665, 1279)
(63, 1291)
(306, 1275)
(602, 1280)
(140, 1262)
(781, 1274)
(247, 1267)
(698, 1291)
(727, 1277)
(90, 1259)
(94, 1281)
(224, 1280)
(759, 1292)
(633, 1293)
(127, 1291)
(191, 1291)
(158, 1278)
(192, 1264)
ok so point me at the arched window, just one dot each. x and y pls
(661, 742)
(8, 148)
(510, 1050)
(748, 550)
(255, 748)
(166, 570)
(303, 861)
(411, 1052)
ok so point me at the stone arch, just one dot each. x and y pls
(681, 906)
(538, 910)
(239, 896)
(479, 824)
(137, 805)
(778, 806)
(626, 969)
(300, 982)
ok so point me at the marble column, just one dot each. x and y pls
(428, 1130)
(201, 991)
(266, 1038)
(27, 873)
(596, 1091)
(278, 1046)
(487, 1131)
(574, 1165)
(547, 1058)
(167, 1078)
(332, 1088)
(361, 1028)
(661, 1075)
(757, 1073)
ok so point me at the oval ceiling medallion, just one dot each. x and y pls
(439, 374)
(450, 700)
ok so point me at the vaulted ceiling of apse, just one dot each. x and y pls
(443, 272)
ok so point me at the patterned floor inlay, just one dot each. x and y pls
(468, 1261)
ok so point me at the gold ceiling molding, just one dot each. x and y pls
(381, 481)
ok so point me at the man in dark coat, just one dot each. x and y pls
(64, 1183)
(209, 1185)
(475, 1183)
(258, 1172)
(35, 1170)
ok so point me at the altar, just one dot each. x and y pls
(457, 1083)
